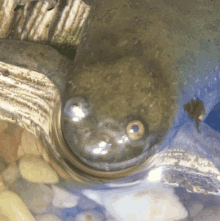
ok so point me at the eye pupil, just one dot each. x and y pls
(75, 105)
(134, 129)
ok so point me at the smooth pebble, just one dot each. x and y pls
(3, 164)
(11, 174)
(3, 218)
(64, 199)
(2, 185)
(14, 131)
(37, 197)
(29, 144)
(144, 202)
(47, 217)
(35, 169)
(89, 215)
(12, 206)
(8, 147)
(3, 125)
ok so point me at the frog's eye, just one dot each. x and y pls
(135, 130)
(76, 109)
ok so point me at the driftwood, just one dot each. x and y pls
(59, 28)
(33, 22)
(28, 97)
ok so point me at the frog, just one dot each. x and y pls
(134, 65)
(142, 56)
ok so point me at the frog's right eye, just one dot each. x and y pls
(76, 109)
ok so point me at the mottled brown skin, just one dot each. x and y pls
(135, 55)
(123, 64)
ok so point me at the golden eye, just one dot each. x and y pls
(135, 130)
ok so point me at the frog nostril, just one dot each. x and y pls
(76, 109)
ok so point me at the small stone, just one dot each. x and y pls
(47, 217)
(30, 144)
(89, 215)
(11, 174)
(21, 152)
(41, 210)
(35, 169)
(144, 202)
(2, 185)
(36, 196)
(4, 218)
(14, 130)
(12, 206)
(64, 199)
(8, 147)
(3, 125)
(3, 164)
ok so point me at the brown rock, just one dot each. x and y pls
(8, 147)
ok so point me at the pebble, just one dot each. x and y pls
(11, 174)
(30, 144)
(3, 125)
(3, 164)
(12, 206)
(37, 197)
(14, 130)
(89, 215)
(8, 147)
(64, 199)
(3, 218)
(2, 185)
(144, 202)
(47, 217)
(35, 169)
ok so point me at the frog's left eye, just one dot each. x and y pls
(76, 109)
(135, 130)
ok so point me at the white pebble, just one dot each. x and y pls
(64, 199)
(146, 202)
(47, 217)
(12, 206)
(89, 215)
(35, 169)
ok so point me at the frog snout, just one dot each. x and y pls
(103, 143)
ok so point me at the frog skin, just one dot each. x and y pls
(135, 61)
